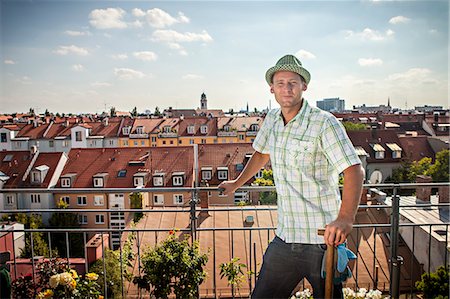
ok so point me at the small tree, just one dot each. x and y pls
(349, 126)
(173, 266)
(40, 246)
(439, 171)
(136, 203)
(112, 112)
(435, 284)
(113, 274)
(157, 112)
(134, 112)
(234, 272)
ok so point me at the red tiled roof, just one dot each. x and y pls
(416, 148)
(197, 122)
(223, 155)
(33, 132)
(149, 124)
(365, 138)
(85, 163)
(171, 122)
(15, 168)
(126, 122)
(49, 159)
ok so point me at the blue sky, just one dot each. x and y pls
(83, 56)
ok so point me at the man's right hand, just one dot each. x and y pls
(228, 187)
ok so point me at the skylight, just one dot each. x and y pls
(122, 173)
(8, 158)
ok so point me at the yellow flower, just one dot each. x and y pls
(65, 278)
(91, 276)
(74, 273)
(54, 281)
(73, 284)
(48, 293)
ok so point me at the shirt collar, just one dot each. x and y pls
(302, 113)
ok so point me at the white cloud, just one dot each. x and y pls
(399, 20)
(172, 36)
(412, 75)
(126, 73)
(101, 84)
(305, 54)
(77, 33)
(78, 67)
(65, 50)
(145, 55)
(110, 18)
(191, 77)
(433, 31)
(120, 56)
(369, 34)
(158, 18)
(9, 61)
(370, 61)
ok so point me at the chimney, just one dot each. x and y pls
(423, 193)
(105, 121)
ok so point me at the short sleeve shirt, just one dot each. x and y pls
(307, 156)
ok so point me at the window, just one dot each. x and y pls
(206, 175)
(190, 129)
(158, 199)
(191, 141)
(222, 174)
(177, 181)
(125, 142)
(81, 200)
(82, 219)
(77, 136)
(66, 199)
(227, 128)
(98, 182)
(18, 144)
(99, 219)
(379, 155)
(122, 173)
(9, 199)
(65, 182)
(35, 177)
(171, 141)
(51, 143)
(111, 142)
(142, 142)
(158, 181)
(241, 137)
(3, 138)
(65, 143)
(178, 199)
(164, 142)
(203, 141)
(126, 130)
(135, 143)
(396, 154)
(8, 158)
(99, 200)
(138, 181)
(204, 129)
(166, 129)
(140, 130)
(254, 127)
(153, 139)
(35, 198)
(259, 174)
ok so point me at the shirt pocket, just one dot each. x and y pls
(301, 151)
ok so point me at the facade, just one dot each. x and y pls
(331, 104)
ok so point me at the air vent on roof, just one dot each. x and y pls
(113, 158)
(136, 163)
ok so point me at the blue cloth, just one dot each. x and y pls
(344, 255)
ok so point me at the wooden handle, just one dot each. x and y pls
(329, 267)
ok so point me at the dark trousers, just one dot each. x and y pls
(285, 265)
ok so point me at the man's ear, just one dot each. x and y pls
(305, 87)
(271, 88)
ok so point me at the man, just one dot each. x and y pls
(308, 149)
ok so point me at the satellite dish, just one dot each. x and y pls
(376, 177)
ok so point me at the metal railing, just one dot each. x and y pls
(256, 239)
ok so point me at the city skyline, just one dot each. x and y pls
(87, 56)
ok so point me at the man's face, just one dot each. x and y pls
(288, 88)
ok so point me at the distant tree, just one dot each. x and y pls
(231, 111)
(31, 111)
(112, 112)
(66, 220)
(267, 197)
(134, 112)
(157, 112)
(40, 246)
(47, 113)
(256, 110)
(439, 171)
(349, 126)
(58, 115)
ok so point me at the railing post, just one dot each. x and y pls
(394, 281)
(192, 216)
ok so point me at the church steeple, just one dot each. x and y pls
(389, 102)
(203, 102)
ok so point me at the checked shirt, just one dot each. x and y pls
(307, 156)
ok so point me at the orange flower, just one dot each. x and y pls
(100, 297)
(171, 232)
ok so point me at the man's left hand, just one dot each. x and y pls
(337, 231)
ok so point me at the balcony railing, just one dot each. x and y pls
(383, 248)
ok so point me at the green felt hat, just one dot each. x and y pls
(288, 63)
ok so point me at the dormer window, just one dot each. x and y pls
(35, 177)
(178, 178)
(227, 128)
(139, 179)
(379, 151)
(206, 173)
(254, 128)
(259, 174)
(38, 174)
(396, 150)
(158, 179)
(222, 173)
(65, 182)
(204, 129)
(126, 130)
(140, 130)
(99, 180)
(191, 129)
(166, 129)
